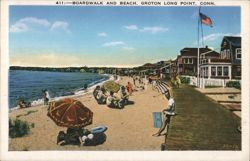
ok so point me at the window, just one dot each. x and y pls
(221, 54)
(190, 61)
(213, 71)
(186, 61)
(228, 54)
(224, 54)
(219, 71)
(225, 71)
(206, 71)
(238, 71)
(238, 53)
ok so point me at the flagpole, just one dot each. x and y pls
(198, 49)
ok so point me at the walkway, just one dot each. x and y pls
(202, 124)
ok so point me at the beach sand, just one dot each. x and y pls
(130, 128)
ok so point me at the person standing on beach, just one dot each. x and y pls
(46, 97)
(167, 113)
(129, 88)
(134, 79)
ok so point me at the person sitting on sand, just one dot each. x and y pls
(73, 136)
(101, 97)
(96, 90)
(112, 101)
(22, 104)
(129, 88)
(167, 113)
(124, 95)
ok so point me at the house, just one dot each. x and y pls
(225, 66)
(147, 68)
(169, 69)
(231, 50)
(187, 60)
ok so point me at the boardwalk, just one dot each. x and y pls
(202, 124)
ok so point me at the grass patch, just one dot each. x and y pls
(234, 84)
(32, 125)
(28, 112)
(213, 86)
(18, 128)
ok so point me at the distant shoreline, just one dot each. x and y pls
(67, 69)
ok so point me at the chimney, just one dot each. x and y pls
(206, 46)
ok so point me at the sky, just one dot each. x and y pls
(59, 36)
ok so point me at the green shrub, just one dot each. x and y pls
(18, 128)
(185, 80)
(32, 125)
(210, 86)
(234, 84)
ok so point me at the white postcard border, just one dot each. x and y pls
(124, 155)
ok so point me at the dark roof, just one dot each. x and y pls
(194, 51)
(234, 40)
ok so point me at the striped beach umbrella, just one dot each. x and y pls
(70, 113)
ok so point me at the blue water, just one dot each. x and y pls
(28, 85)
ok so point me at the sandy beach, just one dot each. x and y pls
(130, 128)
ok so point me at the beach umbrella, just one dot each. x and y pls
(111, 86)
(70, 113)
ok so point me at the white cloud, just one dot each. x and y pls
(149, 29)
(212, 37)
(131, 27)
(19, 27)
(114, 43)
(128, 48)
(34, 20)
(24, 24)
(154, 29)
(102, 34)
(60, 25)
(216, 36)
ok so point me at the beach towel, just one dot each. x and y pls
(157, 116)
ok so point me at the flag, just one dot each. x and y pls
(206, 20)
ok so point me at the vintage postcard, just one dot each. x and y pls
(124, 80)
